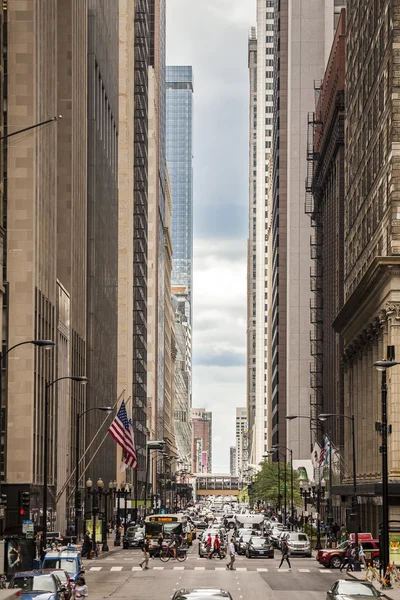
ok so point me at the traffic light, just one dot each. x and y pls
(26, 500)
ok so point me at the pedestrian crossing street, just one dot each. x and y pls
(190, 566)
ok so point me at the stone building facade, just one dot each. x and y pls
(370, 317)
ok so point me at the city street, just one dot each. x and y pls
(119, 576)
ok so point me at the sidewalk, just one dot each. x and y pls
(391, 593)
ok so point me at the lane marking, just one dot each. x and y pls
(324, 570)
(241, 569)
(116, 568)
(136, 568)
(199, 568)
(158, 568)
(283, 570)
(220, 569)
(262, 570)
(304, 570)
(179, 568)
(95, 568)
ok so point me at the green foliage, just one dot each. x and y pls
(266, 484)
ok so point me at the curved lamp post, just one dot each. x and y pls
(79, 379)
(96, 500)
(46, 345)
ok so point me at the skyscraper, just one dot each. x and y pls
(303, 41)
(260, 63)
(241, 441)
(179, 82)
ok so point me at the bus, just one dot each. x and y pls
(166, 524)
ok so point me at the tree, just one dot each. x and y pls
(266, 484)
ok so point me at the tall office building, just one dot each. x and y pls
(303, 40)
(242, 458)
(45, 198)
(179, 158)
(102, 226)
(202, 440)
(369, 319)
(140, 239)
(261, 72)
(182, 380)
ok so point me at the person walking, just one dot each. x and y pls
(81, 589)
(232, 554)
(160, 541)
(217, 547)
(146, 555)
(285, 554)
(208, 545)
(361, 555)
(345, 558)
(87, 545)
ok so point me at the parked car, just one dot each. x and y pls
(70, 561)
(299, 544)
(201, 594)
(259, 547)
(65, 580)
(345, 589)
(333, 557)
(38, 585)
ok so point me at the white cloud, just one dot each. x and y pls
(211, 35)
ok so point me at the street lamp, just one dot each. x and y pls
(382, 427)
(291, 480)
(107, 409)
(150, 445)
(320, 419)
(46, 345)
(79, 379)
(305, 492)
(96, 501)
(354, 503)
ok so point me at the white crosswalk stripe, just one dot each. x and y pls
(199, 568)
(191, 567)
(304, 570)
(262, 570)
(179, 568)
(95, 568)
(136, 568)
(116, 568)
(158, 568)
(241, 569)
(324, 570)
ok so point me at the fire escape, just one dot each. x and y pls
(313, 209)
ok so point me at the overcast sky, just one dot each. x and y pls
(211, 35)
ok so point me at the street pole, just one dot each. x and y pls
(291, 491)
(357, 564)
(279, 489)
(318, 546)
(45, 467)
(385, 478)
(147, 479)
(77, 498)
(285, 496)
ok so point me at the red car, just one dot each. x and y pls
(333, 557)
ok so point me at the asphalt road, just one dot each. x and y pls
(118, 575)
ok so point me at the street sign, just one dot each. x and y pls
(28, 529)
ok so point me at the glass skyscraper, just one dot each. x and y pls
(179, 84)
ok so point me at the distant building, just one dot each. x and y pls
(232, 461)
(179, 132)
(202, 440)
(241, 440)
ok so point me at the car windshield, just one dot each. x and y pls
(34, 583)
(298, 537)
(355, 588)
(68, 564)
(62, 576)
(259, 542)
(201, 595)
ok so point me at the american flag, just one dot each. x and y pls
(121, 430)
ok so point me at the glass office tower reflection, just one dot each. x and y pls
(179, 85)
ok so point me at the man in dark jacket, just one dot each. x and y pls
(87, 545)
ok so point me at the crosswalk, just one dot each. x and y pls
(191, 567)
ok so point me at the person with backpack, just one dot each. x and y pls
(285, 554)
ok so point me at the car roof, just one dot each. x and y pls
(62, 554)
(35, 572)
